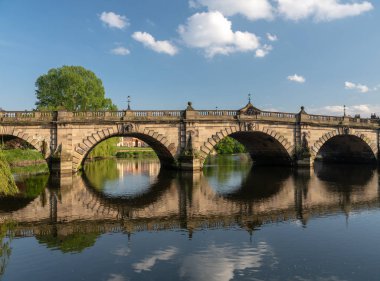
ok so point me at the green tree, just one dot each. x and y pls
(229, 146)
(73, 88)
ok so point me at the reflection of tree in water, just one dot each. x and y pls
(74, 242)
(30, 187)
(222, 166)
(6, 236)
(260, 183)
(101, 171)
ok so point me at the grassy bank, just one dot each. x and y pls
(136, 152)
(25, 161)
(19, 156)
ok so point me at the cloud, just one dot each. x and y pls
(263, 51)
(364, 110)
(296, 78)
(120, 51)
(212, 32)
(147, 263)
(114, 20)
(158, 46)
(321, 10)
(251, 9)
(359, 87)
(272, 37)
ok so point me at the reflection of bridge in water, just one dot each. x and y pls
(188, 201)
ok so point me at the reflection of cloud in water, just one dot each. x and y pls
(147, 263)
(116, 277)
(220, 262)
(123, 252)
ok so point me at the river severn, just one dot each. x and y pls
(130, 220)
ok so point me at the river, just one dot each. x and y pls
(128, 220)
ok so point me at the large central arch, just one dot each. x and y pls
(266, 147)
(159, 143)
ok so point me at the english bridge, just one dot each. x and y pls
(184, 138)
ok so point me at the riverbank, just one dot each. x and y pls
(25, 161)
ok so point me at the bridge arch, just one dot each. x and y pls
(266, 146)
(37, 142)
(158, 142)
(345, 146)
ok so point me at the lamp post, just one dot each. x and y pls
(129, 103)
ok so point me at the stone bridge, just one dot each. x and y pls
(184, 138)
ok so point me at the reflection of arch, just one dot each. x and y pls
(159, 143)
(126, 204)
(266, 146)
(347, 177)
(37, 142)
(343, 146)
(260, 183)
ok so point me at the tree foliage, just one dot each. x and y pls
(7, 183)
(73, 88)
(229, 146)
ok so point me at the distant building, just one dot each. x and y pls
(131, 142)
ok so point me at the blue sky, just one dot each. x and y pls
(163, 53)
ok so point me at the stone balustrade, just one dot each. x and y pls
(162, 115)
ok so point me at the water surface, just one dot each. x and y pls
(129, 220)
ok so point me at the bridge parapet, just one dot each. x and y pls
(177, 115)
(27, 116)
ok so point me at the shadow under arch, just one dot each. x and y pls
(266, 148)
(156, 190)
(263, 148)
(345, 148)
(163, 152)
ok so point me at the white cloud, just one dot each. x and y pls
(114, 20)
(321, 10)
(251, 9)
(263, 51)
(272, 37)
(212, 32)
(364, 110)
(147, 263)
(359, 87)
(296, 78)
(158, 46)
(120, 51)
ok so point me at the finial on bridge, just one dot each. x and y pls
(189, 106)
(249, 98)
(129, 103)
(344, 110)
